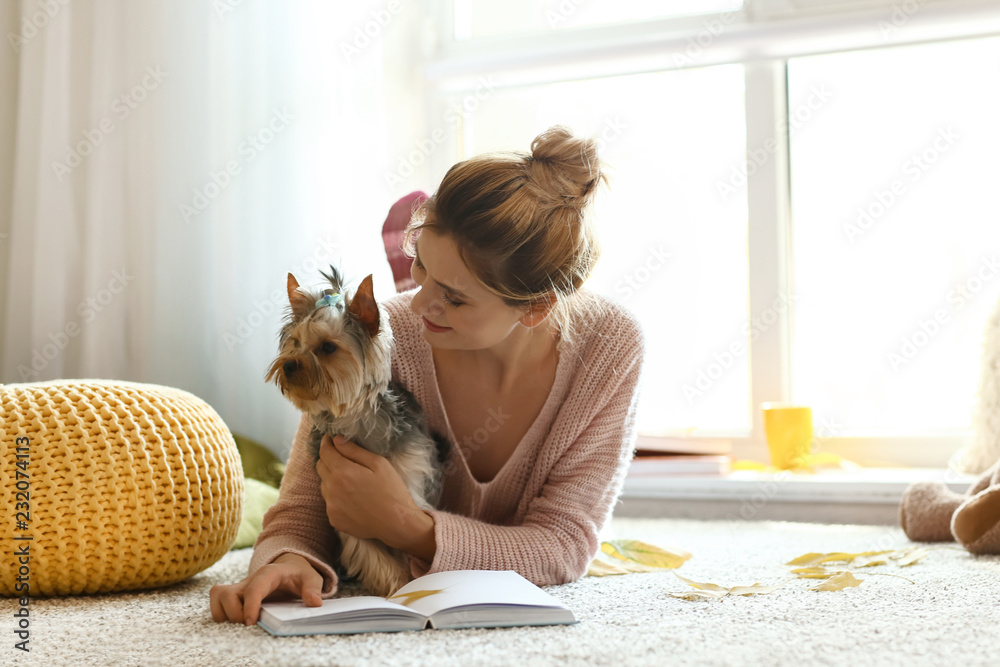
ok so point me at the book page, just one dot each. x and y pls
(296, 610)
(442, 590)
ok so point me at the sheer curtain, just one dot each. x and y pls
(169, 163)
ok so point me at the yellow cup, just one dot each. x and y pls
(789, 431)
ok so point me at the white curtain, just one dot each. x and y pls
(165, 164)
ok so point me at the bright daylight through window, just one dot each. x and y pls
(892, 226)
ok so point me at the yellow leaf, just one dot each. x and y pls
(838, 557)
(698, 595)
(806, 559)
(703, 587)
(744, 464)
(413, 596)
(756, 589)
(813, 573)
(645, 554)
(714, 591)
(838, 582)
(908, 557)
(602, 568)
(811, 559)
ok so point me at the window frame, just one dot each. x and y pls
(762, 36)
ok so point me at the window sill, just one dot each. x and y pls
(866, 496)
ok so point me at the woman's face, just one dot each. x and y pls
(457, 311)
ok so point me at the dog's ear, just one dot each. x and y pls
(363, 307)
(300, 303)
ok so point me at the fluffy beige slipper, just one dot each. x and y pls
(926, 510)
(976, 523)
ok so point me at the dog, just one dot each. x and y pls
(334, 364)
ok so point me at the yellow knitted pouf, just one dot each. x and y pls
(110, 486)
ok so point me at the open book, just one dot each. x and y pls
(457, 599)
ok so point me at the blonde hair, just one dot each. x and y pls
(520, 220)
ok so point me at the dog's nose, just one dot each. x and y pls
(290, 367)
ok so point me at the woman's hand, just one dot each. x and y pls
(365, 496)
(289, 573)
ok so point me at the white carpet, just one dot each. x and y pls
(950, 616)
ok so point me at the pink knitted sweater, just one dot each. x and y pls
(542, 513)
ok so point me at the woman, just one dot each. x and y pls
(532, 380)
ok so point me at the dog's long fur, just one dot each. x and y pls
(334, 363)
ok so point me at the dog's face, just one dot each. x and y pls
(335, 350)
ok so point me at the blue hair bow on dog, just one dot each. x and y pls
(330, 299)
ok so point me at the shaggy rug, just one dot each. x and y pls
(945, 611)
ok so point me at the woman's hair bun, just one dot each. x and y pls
(521, 221)
(565, 169)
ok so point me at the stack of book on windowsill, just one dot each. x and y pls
(665, 457)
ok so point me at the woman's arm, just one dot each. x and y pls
(420, 540)
(297, 522)
(560, 533)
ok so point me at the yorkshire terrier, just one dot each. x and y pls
(334, 363)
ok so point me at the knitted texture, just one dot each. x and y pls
(128, 485)
(542, 514)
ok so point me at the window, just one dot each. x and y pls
(714, 235)
(475, 20)
(673, 252)
(896, 231)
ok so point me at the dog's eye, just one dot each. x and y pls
(327, 348)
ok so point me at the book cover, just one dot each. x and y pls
(443, 600)
(647, 464)
(666, 444)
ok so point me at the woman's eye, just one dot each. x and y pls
(327, 348)
(451, 302)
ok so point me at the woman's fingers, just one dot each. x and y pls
(227, 602)
(298, 578)
(312, 588)
(267, 580)
(290, 573)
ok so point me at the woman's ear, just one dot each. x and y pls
(536, 313)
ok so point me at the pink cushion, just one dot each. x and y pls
(392, 237)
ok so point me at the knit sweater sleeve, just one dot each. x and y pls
(559, 536)
(297, 523)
